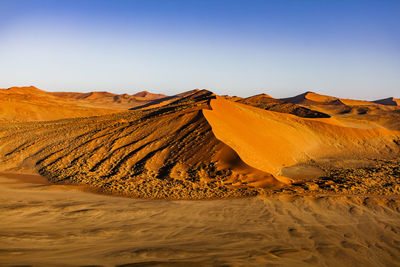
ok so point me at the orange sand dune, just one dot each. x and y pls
(171, 148)
(327, 187)
(148, 95)
(352, 113)
(270, 141)
(266, 102)
(311, 97)
(198, 146)
(110, 100)
(33, 104)
(166, 100)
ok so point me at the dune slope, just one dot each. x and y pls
(391, 101)
(270, 140)
(169, 152)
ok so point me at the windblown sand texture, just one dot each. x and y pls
(57, 225)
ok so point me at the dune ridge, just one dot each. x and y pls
(390, 101)
(266, 102)
(270, 140)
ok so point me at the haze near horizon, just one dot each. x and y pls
(349, 49)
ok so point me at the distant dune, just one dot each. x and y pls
(110, 100)
(148, 95)
(268, 103)
(311, 97)
(391, 101)
(33, 104)
(352, 113)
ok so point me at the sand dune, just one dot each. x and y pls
(311, 97)
(196, 146)
(391, 101)
(269, 140)
(115, 101)
(148, 95)
(171, 149)
(307, 183)
(352, 113)
(33, 104)
(268, 103)
(165, 101)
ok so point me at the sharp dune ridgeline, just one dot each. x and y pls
(198, 145)
(391, 101)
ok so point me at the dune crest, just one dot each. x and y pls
(270, 141)
(390, 101)
(148, 95)
(266, 102)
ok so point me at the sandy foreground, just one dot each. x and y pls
(55, 225)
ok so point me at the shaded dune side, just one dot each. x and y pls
(169, 152)
(314, 98)
(391, 101)
(270, 141)
(268, 103)
(352, 113)
(106, 99)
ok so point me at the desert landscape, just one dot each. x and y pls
(198, 179)
(199, 133)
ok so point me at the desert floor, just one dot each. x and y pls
(54, 225)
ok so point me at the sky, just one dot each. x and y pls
(346, 48)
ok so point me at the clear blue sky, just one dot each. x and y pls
(346, 48)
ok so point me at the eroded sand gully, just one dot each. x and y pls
(56, 225)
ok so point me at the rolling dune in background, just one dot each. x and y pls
(33, 104)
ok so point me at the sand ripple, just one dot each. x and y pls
(49, 226)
